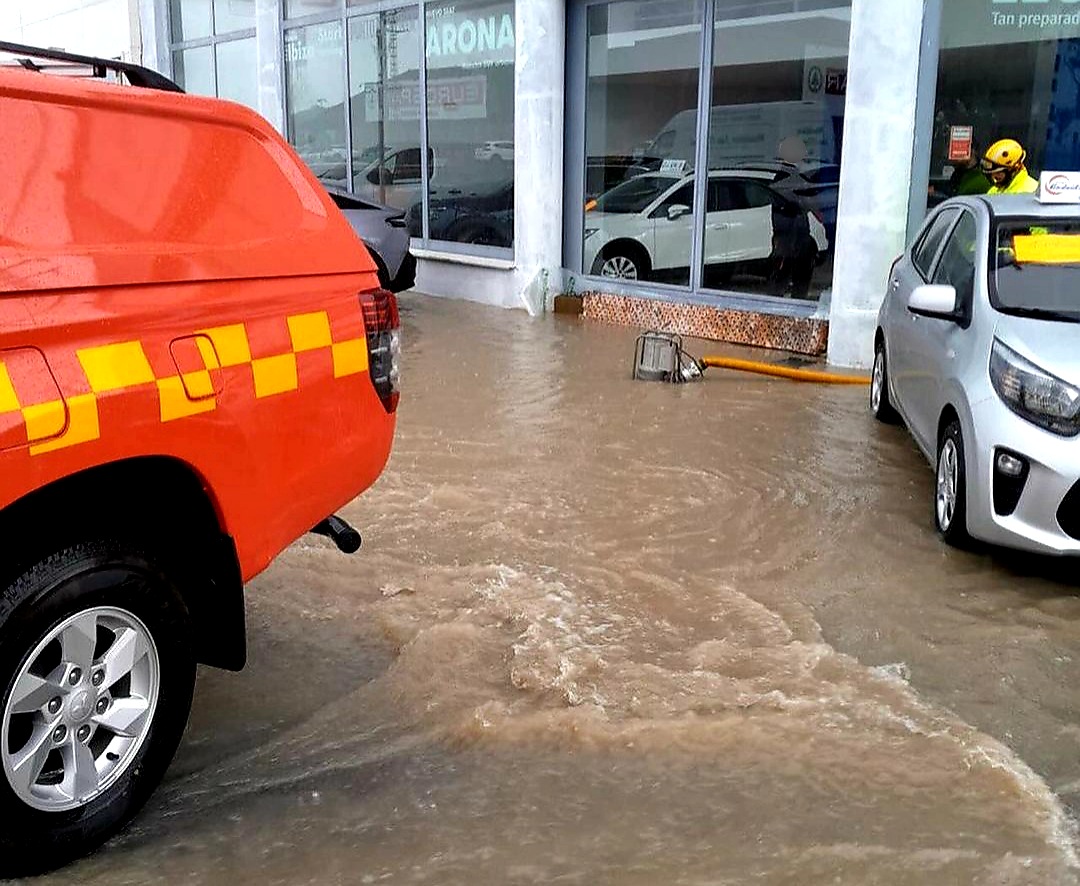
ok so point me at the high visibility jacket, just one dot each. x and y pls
(1022, 183)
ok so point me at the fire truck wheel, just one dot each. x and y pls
(96, 677)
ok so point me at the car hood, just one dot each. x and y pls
(1050, 344)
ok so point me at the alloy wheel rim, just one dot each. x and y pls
(877, 381)
(947, 484)
(80, 708)
(619, 266)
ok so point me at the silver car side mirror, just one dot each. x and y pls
(676, 211)
(933, 301)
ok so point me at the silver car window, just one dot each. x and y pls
(634, 195)
(956, 267)
(726, 195)
(927, 247)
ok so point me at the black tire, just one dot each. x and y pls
(880, 404)
(951, 521)
(72, 581)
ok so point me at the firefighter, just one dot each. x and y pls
(1003, 164)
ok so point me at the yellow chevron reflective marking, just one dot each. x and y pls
(9, 400)
(310, 332)
(207, 352)
(53, 425)
(350, 357)
(82, 425)
(198, 385)
(274, 375)
(230, 343)
(112, 367)
(44, 420)
(175, 402)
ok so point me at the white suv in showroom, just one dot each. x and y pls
(642, 228)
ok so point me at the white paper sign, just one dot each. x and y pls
(676, 166)
(1059, 187)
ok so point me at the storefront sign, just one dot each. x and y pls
(996, 22)
(457, 98)
(1035, 14)
(472, 38)
(819, 80)
(960, 140)
(835, 81)
(1059, 187)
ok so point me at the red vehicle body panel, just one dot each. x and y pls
(174, 282)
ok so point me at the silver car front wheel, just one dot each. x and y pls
(950, 493)
(947, 482)
(880, 403)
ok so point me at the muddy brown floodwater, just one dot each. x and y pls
(607, 632)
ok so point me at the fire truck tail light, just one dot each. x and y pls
(381, 322)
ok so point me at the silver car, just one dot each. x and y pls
(978, 352)
(385, 234)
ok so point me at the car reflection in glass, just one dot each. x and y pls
(643, 229)
(480, 214)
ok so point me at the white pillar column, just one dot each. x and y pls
(538, 149)
(154, 36)
(268, 59)
(875, 181)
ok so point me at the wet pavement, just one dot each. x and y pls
(607, 632)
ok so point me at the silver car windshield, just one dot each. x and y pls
(1037, 269)
(634, 195)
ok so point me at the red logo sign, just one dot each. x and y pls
(960, 141)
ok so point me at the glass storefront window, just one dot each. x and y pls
(194, 70)
(764, 219)
(315, 98)
(1005, 71)
(237, 73)
(190, 19)
(775, 129)
(297, 8)
(224, 67)
(385, 106)
(233, 15)
(641, 139)
(470, 52)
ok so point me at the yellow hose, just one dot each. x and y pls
(825, 378)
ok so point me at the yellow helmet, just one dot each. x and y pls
(1006, 155)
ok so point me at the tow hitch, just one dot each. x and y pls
(340, 533)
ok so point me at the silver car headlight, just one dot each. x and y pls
(1033, 393)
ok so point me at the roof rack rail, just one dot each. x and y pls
(136, 75)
